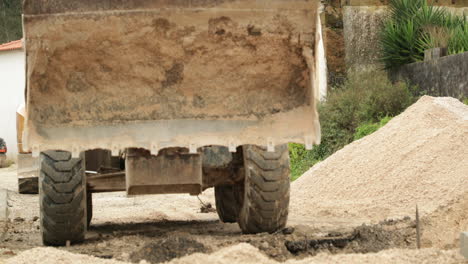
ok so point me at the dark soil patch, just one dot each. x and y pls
(161, 241)
(364, 239)
(166, 249)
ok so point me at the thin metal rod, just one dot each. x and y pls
(418, 230)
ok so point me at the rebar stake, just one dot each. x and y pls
(418, 230)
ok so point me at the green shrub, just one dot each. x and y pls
(363, 98)
(10, 20)
(414, 26)
(400, 44)
(458, 43)
(301, 160)
(369, 128)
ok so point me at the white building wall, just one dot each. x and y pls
(12, 82)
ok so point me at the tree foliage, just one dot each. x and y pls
(10, 20)
(415, 26)
(365, 98)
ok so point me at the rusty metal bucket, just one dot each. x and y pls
(155, 74)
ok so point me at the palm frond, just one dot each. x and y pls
(415, 26)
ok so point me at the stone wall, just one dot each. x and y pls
(450, 3)
(362, 21)
(446, 76)
(361, 33)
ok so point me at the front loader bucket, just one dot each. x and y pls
(157, 73)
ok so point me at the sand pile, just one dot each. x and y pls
(54, 255)
(420, 157)
(247, 254)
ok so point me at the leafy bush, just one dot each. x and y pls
(301, 159)
(458, 43)
(414, 26)
(10, 20)
(369, 128)
(363, 98)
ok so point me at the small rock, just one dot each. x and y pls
(288, 230)
(334, 234)
(35, 218)
(102, 244)
(207, 208)
(125, 257)
(19, 219)
(254, 31)
(264, 245)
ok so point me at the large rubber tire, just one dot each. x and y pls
(266, 190)
(28, 185)
(2, 160)
(89, 208)
(62, 194)
(227, 203)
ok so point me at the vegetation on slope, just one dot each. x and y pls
(10, 20)
(415, 26)
(360, 106)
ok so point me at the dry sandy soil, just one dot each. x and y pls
(355, 207)
(419, 158)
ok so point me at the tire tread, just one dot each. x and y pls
(62, 192)
(266, 191)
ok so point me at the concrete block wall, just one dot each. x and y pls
(449, 3)
(361, 34)
(446, 76)
(362, 21)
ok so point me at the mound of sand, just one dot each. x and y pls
(420, 157)
(401, 256)
(51, 255)
(247, 254)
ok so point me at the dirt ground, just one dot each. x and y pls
(166, 227)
